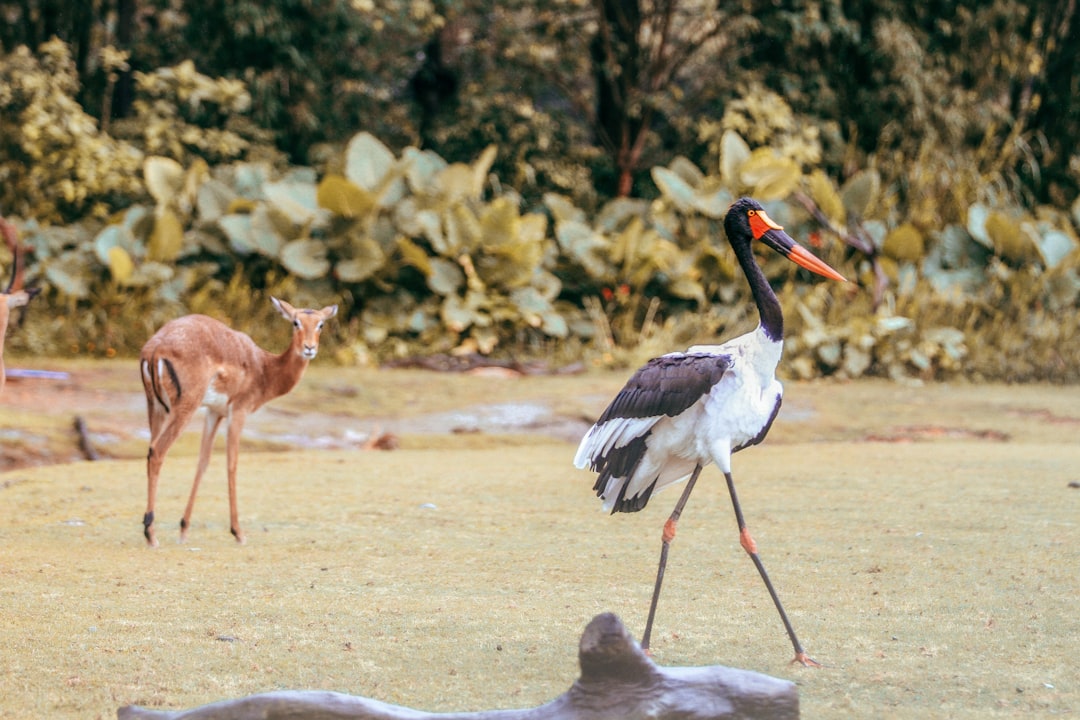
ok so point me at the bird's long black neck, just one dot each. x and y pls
(772, 318)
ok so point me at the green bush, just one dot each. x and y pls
(182, 114)
(55, 164)
(429, 256)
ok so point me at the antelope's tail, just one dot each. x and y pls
(160, 379)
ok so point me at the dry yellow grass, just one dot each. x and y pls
(930, 564)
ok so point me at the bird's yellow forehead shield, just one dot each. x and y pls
(761, 223)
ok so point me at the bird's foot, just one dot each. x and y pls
(805, 660)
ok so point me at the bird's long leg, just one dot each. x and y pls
(747, 541)
(667, 537)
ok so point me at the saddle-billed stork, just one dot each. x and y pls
(683, 410)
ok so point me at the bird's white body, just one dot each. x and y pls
(728, 415)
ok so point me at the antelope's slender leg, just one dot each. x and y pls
(236, 427)
(206, 446)
(167, 433)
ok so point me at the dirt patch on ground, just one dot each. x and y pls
(925, 542)
(331, 409)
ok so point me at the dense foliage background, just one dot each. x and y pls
(546, 178)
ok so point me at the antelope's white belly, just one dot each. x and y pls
(216, 400)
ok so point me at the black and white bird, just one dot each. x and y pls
(683, 410)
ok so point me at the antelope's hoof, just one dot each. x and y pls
(148, 528)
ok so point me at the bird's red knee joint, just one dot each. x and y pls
(669, 531)
(747, 542)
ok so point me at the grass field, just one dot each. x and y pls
(925, 542)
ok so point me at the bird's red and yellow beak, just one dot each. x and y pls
(767, 231)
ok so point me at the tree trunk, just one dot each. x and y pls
(616, 57)
(124, 95)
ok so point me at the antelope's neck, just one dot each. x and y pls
(284, 371)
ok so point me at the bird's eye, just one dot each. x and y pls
(751, 213)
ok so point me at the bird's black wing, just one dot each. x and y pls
(667, 385)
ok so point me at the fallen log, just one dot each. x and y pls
(618, 681)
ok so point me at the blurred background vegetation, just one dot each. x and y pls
(545, 179)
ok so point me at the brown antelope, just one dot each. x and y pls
(15, 296)
(196, 361)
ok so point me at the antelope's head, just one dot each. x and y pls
(307, 326)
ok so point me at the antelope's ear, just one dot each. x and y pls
(287, 311)
(328, 312)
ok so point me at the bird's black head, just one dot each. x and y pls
(746, 221)
(737, 220)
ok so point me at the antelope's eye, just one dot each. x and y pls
(319, 326)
